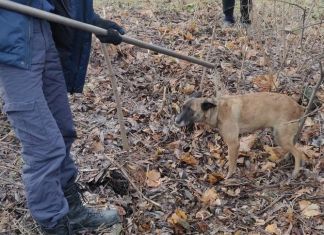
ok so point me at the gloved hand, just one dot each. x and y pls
(113, 31)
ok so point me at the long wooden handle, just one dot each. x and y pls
(27, 10)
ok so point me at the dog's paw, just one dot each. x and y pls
(295, 174)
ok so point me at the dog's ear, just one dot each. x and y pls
(206, 105)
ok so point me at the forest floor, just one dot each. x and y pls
(179, 173)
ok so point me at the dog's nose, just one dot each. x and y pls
(179, 122)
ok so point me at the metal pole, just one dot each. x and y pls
(27, 10)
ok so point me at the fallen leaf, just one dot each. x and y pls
(308, 150)
(189, 159)
(290, 215)
(190, 7)
(174, 145)
(309, 122)
(233, 193)
(179, 217)
(227, 67)
(273, 229)
(240, 160)
(188, 36)
(320, 227)
(215, 150)
(230, 45)
(267, 82)
(209, 197)
(214, 177)
(251, 53)
(198, 133)
(97, 147)
(148, 13)
(153, 178)
(188, 89)
(268, 166)
(259, 222)
(202, 227)
(160, 151)
(203, 214)
(263, 61)
(309, 209)
(247, 142)
(276, 153)
(303, 191)
(320, 95)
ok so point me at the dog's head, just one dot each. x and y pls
(195, 110)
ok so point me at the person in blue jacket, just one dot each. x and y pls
(39, 64)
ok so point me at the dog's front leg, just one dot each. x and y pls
(231, 138)
(233, 147)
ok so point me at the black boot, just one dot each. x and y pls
(228, 10)
(62, 228)
(81, 217)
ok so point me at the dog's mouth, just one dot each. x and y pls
(182, 124)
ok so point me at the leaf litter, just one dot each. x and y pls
(183, 169)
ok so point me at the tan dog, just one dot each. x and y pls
(234, 115)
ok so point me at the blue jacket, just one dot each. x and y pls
(73, 45)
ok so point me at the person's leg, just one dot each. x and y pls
(79, 216)
(55, 93)
(228, 10)
(43, 147)
(246, 7)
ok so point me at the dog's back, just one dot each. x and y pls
(259, 110)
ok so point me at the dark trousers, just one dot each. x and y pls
(245, 7)
(38, 109)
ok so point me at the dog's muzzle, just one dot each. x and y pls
(179, 122)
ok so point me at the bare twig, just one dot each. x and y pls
(164, 100)
(5, 136)
(203, 77)
(271, 204)
(310, 101)
(10, 168)
(303, 117)
(303, 18)
(241, 76)
(8, 181)
(120, 115)
(122, 169)
(305, 27)
(290, 3)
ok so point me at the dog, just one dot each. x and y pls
(238, 114)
